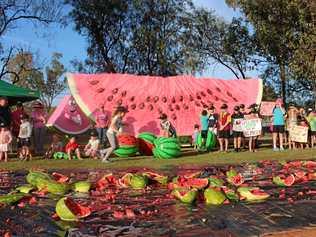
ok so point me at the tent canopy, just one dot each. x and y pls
(16, 93)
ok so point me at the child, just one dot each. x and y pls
(278, 121)
(114, 129)
(72, 147)
(301, 121)
(195, 136)
(290, 121)
(212, 120)
(56, 146)
(204, 127)
(253, 140)
(167, 129)
(92, 148)
(24, 138)
(237, 134)
(311, 118)
(224, 128)
(5, 140)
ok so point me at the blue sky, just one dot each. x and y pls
(72, 45)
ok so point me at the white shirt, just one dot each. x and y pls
(94, 144)
(116, 124)
(25, 130)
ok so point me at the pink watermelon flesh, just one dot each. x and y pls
(289, 181)
(145, 147)
(146, 97)
(126, 140)
(61, 118)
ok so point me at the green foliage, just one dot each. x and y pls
(230, 44)
(133, 36)
(285, 35)
(50, 82)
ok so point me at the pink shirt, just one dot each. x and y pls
(39, 119)
(101, 119)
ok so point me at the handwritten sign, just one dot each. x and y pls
(266, 108)
(251, 127)
(298, 133)
(237, 125)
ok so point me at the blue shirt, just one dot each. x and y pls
(204, 122)
(278, 116)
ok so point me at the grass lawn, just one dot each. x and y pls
(189, 159)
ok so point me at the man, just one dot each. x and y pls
(5, 113)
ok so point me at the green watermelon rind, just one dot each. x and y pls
(64, 212)
(43, 181)
(214, 197)
(148, 137)
(126, 151)
(11, 198)
(188, 198)
(166, 148)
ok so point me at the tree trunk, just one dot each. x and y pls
(283, 82)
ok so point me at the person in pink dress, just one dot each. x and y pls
(102, 121)
(5, 141)
(38, 122)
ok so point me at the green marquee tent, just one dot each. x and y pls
(16, 93)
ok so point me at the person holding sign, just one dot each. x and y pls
(237, 118)
(290, 122)
(278, 122)
(224, 128)
(311, 118)
(302, 122)
(253, 138)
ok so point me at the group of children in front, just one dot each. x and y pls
(221, 125)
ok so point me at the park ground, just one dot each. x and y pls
(189, 159)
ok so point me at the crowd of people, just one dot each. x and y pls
(221, 124)
(20, 126)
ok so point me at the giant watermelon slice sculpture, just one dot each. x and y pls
(182, 97)
(69, 118)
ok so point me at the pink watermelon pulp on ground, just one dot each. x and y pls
(181, 97)
(66, 118)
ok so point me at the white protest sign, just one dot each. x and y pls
(298, 133)
(251, 127)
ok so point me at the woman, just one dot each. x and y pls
(101, 120)
(114, 129)
(39, 121)
(278, 122)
